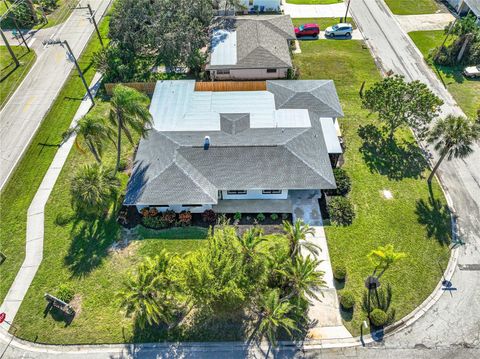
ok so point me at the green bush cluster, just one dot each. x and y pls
(341, 211)
(274, 216)
(378, 317)
(339, 272)
(237, 216)
(347, 299)
(260, 217)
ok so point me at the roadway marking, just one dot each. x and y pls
(28, 104)
(30, 43)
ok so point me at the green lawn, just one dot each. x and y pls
(323, 22)
(11, 76)
(411, 221)
(465, 91)
(414, 7)
(18, 193)
(314, 2)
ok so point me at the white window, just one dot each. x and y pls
(236, 192)
(272, 191)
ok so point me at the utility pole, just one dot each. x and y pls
(65, 44)
(20, 32)
(346, 12)
(92, 19)
(17, 63)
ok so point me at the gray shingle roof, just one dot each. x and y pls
(171, 167)
(261, 41)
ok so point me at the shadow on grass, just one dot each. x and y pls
(58, 315)
(389, 158)
(435, 216)
(90, 242)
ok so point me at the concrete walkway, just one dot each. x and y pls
(325, 311)
(424, 22)
(35, 221)
(304, 11)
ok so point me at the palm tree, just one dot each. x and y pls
(383, 257)
(466, 29)
(147, 295)
(94, 132)
(129, 112)
(296, 234)
(273, 316)
(302, 278)
(453, 137)
(93, 188)
(249, 242)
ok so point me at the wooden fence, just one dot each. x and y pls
(149, 87)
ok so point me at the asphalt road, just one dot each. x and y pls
(24, 112)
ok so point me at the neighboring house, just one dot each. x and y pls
(249, 6)
(228, 149)
(251, 47)
(463, 7)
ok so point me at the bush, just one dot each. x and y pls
(169, 217)
(284, 216)
(347, 299)
(154, 222)
(145, 212)
(153, 212)
(48, 5)
(274, 216)
(378, 317)
(340, 272)
(341, 211)
(260, 217)
(23, 15)
(209, 216)
(65, 293)
(185, 218)
(344, 184)
(237, 216)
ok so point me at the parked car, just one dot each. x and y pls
(342, 29)
(472, 71)
(307, 30)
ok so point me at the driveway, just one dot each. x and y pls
(22, 114)
(331, 10)
(424, 22)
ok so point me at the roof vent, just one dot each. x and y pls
(206, 143)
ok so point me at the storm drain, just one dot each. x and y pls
(471, 267)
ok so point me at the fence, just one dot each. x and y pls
(145, 87)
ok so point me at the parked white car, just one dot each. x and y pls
(342, 29)
(472, 71)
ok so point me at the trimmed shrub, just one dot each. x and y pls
(260, 217)
(154, 222)
(152, 212)
(237, 216)
(169, 217)
(344, 183)
(145, 212)
(65, 293)
(339, 272)
(185, 218)
(209, 216)
(347, 299)
(274, 216)
(378, 317)
(341, 211)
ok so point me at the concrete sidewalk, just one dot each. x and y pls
(35, 221)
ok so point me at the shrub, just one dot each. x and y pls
(48, 4)
(152, 212)
(154, 222)
(237, 216)
(341, 211)
(378, 317)
(209, 216)
(65, 293)
(260, 217)
(145, 212)
(169, 217)
(347, 299)
(185, 218)
(344, 184)
(274, 216)
(339, 272)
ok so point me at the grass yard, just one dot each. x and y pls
(323, 22)
(412, 221)
(11, 76)
(18, 193)
(415, 7)
(314, 2)
(465, 91)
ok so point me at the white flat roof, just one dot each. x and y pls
(224, 47)
(176, 106)
(330, 135)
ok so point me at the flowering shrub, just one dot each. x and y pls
(185, 218)
(169, 217)
(152, 212)
(145, 212)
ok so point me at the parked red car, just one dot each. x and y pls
(307, 30)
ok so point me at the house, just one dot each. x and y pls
(463, 7)
(250, 47)
(236, 150)
(249, 6)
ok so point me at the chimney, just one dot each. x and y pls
(206, 143)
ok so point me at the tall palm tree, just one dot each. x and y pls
(302, 278)
(296, 234)
(453, 137)
(94, 131)
(249, 243)
(383, 257)
(129, 112)
(148, 295)
(274, 316)
(93, 188)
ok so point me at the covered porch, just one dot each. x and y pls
(254, 206)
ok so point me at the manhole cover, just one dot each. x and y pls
(473, 267)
